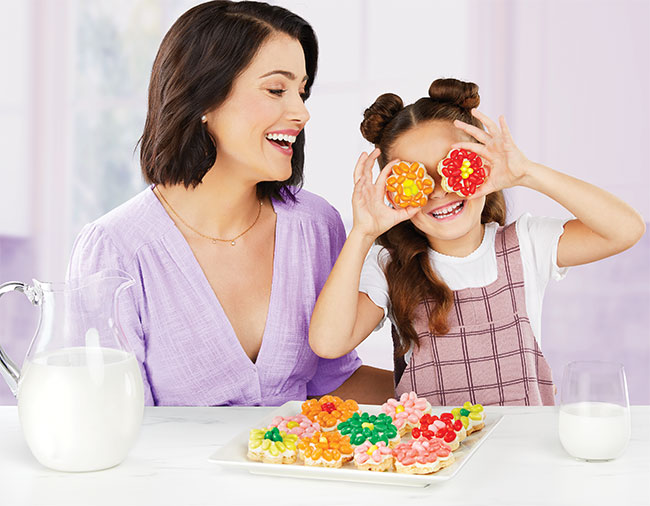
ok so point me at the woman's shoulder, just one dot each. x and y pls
(128, 226)
(309, 207)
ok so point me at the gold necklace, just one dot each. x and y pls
(213, 239)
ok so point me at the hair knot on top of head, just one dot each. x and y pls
(452, 91)
(378, 115)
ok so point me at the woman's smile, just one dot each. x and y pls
(282, 140)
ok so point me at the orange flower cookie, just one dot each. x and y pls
(325, 449)
(421, 456)
(462, 172)
(373, 457)
(329, 411)
(409, 185)
(272, 446)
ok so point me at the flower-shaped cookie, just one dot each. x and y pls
(433, 427)
(374, 428)
(272, 446)
(422, 456)
(329, 411)
(409, 185)
(472, 416)
(299, 425)
(407, 411)
(325, 449)
(373, 457)
(462, 172)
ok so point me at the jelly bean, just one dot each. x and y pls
(464, 412)
(255, 443)
(280, 446)
(401, 179)
(266, 444)
(391, 180)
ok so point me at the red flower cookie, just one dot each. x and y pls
(462, 172)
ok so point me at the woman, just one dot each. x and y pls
(227, 253)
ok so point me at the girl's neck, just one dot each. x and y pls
(461, 246)
(218, 207)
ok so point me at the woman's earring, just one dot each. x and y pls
(204, 119)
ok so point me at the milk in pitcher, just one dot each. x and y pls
(81, 408)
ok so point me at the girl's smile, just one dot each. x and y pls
(448, 211)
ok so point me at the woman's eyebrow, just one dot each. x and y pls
(285, 73)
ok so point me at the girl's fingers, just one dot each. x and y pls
(505, 129)
(479, 149)
(477, 133)
(385, 172)
(491, 126)
(358, 168)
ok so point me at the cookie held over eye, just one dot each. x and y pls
(409, 185)
(462, 172)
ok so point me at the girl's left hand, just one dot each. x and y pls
(507, 165)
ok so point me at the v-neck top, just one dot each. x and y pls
(187, 349)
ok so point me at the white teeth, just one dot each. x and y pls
(447, 211)
(282, 137)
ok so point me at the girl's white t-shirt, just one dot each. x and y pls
(538, 240)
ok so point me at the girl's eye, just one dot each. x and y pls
(278, 92)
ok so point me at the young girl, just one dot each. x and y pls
(463, 291)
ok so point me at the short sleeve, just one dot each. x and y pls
(94, 251)
(373, 280)
(538, 238)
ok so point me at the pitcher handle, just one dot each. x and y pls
(9, 370)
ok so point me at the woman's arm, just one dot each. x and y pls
(343, 316)
(604, 224)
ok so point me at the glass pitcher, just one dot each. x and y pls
(80, 392)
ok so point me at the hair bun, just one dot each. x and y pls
(453, 91)
(378, 115)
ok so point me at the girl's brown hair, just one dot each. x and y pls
(411, 279)
(200, 57)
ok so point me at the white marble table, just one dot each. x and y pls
(520, 463)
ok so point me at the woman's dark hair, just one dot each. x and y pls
(202, 54)
(410, 276)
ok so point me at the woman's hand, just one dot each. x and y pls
(371, 216)
(507, 165)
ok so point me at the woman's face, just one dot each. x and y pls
(264, 113)
(446, 218)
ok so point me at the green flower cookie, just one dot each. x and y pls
(365, 427)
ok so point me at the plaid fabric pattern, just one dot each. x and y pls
(490, 354)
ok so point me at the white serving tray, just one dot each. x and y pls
(233, 455)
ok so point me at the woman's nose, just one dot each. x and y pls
(298, 111)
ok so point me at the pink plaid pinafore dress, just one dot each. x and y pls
(490, 355)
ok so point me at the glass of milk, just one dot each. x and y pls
(80, 392)
(594, 420)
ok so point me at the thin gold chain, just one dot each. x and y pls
(213, 239)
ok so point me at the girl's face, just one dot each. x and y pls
(266, 101)
(452, 224)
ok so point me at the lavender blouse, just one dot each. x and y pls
(188, 352)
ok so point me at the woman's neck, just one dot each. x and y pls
(218, 207)
(461, 246)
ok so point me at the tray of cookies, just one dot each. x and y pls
(405, 441)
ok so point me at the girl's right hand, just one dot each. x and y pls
(371, 216)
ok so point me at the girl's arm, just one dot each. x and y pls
(604, 224)
(343, 316)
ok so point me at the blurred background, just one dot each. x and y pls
(572, 77)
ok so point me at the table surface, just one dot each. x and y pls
(521, 462)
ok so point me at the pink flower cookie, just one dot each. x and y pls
(299, 425)
(373, 457)
(407, 411)
(422, 456)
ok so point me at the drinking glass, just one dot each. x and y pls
(594, 417)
